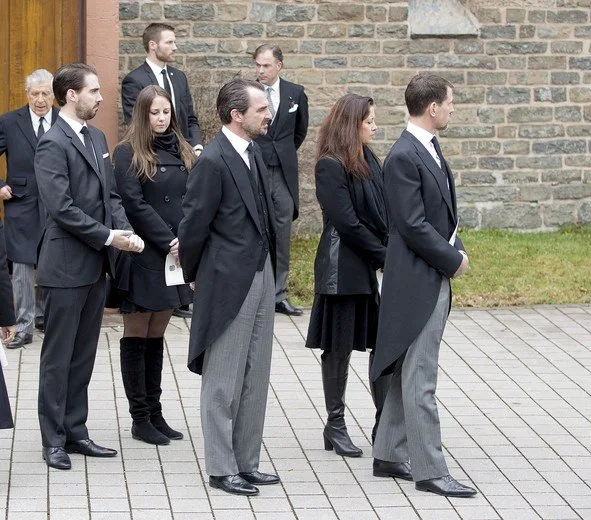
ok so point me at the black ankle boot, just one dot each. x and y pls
(132, 351)
(379, 390)
(335, 370)
(154, 359)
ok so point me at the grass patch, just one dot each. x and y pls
(506, 268)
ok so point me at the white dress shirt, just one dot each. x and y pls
(238, 143)
(157, 70)
(76, 126)
(426, 139)
(35, 120)
(275, 94)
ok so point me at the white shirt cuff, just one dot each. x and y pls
(111, 237)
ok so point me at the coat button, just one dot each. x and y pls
(260, 242)
(162, 169)
(166, 198)
(169, 226)
(182, 168)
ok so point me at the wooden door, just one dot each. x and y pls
(36, 34)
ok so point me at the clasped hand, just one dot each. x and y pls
(127, 241)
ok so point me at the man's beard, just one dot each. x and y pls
(85, 113)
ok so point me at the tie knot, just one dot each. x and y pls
(84, 130)
(250, 147)
(41, 119)
(163, 71)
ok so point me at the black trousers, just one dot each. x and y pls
(72, 328)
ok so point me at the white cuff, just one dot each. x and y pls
(111, 237)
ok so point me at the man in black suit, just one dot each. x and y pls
(160, 43)
(7, 329)
(226, 246)
(423, 253)
(84, 218)
(24, 215)
(288, 105)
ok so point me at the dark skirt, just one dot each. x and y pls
(5, 412)
(139, 288)
(343, 323)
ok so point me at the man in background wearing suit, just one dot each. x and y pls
(24, 216)
(288, 105)
(226, 246)
(84, 218)
(160, 43)
(423, 253)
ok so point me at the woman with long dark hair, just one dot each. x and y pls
(151, 167)
(349, 188)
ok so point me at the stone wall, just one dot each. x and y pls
(520, 136)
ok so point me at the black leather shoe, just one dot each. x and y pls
(56, 457)
(40, 323)
(183, 312)
(261, 479)
(89, 448)
(20, 340)
(285, 307)
(384, 468)
(234, 484)
(446, 486)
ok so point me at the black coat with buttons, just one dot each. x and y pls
(154, 209)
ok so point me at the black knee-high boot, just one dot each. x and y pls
(154, 361)
(335, 370)
(379, 391)
(132, 351)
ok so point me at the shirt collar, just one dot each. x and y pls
(424, 136)
(35, 118)
(274, 86)
(75, 125)
(156, 69)
(240, 144)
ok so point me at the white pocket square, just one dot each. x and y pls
(293, 108)
(105, 155)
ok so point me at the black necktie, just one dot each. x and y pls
(88, 144)
(166, 83)
(438, 150)
(253, 164)
(40, 130)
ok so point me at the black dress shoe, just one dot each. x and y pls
(261, 479)
(89, 448)
(446, 486)
(40, 323)
(56, 457)
(285, 307)
(384, 468)
(234, 484)
(183, 312)
(20, 340)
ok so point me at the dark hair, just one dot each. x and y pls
(339, 135)
(277, 54)
(140, 137)
(424, 89)
(152, 33)
(70, 77)
(235, 95)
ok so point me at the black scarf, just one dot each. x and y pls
(167, 142)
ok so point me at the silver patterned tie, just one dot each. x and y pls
(270, 100)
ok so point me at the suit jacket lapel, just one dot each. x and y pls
(263, 178)
(237, 169)
(439, 174)
(26, 126)
(77, 142)
(176, 87)
(150, 74)
(284, 99)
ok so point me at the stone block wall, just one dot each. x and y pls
(520, 137)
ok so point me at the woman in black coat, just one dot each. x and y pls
(7, 328)
(349, 188)
(151, 167)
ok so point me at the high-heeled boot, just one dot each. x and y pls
(379, 390)
(132, 351)
(154, 360)
(335, 370)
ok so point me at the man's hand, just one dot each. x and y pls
(7, 334)
(174, 251)
(463, 266)
(6, 192)
(127, 241)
